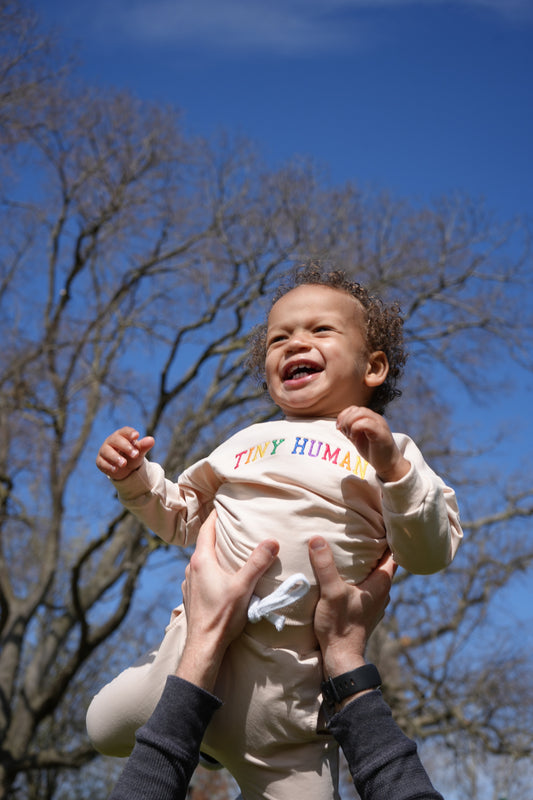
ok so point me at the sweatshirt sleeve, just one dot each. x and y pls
(421, 516)
(172, 510)
(384, 763)
(167, 746)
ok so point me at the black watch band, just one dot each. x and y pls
(334, 690)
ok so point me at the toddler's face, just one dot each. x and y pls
(317, 359)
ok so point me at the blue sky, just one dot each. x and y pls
(419, 97)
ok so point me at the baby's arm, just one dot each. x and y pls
(371, 434)
(420, 512)
(172, 510)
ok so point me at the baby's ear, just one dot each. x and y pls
(377, 369)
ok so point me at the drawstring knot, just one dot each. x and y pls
(287, 593)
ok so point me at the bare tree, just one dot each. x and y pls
(134, 261)
(29, 70)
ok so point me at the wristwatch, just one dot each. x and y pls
(334, 690)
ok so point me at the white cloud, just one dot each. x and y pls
(286, 26)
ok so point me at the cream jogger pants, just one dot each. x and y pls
(265, 733)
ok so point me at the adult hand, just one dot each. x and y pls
(216, 603)
(346, 615)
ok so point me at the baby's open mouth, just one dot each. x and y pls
(300, 370)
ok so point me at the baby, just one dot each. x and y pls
(331, 355)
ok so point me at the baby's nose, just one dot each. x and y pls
(298, 341)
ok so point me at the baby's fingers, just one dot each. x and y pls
(125, 441)
(110, 459)
(122, 452)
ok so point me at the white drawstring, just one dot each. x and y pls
(287, 593)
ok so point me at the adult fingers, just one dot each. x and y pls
(381, 577)
(387, 564)
(377, 585)
(324, 566)
(207, 535)
(259, 561)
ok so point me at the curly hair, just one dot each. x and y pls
(384, 328)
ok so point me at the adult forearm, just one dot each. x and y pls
(384, 763)
(200, 665)
(167, 746)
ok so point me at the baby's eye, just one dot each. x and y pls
(323, 328)
(276, 339)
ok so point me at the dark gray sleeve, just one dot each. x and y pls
(167, 746)
(383, 761)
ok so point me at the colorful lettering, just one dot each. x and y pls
(311, 447)
(299, 445)
(328, 455)
(346, 462)
(260, 450)
(276, 443)
(238, 457)
(360, 467)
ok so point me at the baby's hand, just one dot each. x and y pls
(122, 453)
(370, 433)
